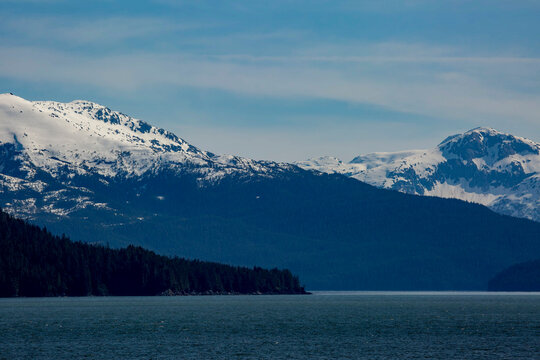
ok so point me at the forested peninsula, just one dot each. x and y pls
(34, 263)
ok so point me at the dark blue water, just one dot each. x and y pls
(337, 326)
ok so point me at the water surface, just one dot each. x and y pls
(320, 326)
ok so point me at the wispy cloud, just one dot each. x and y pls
(383, 59)
(98, 31)
(454, 94)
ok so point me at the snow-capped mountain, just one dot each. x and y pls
(100, 176)
(482, 165)
(53, 148)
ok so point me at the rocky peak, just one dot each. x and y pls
(488, 144)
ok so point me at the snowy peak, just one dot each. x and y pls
(53, 155)
(115, 124)
(99, 112)
(482, 165)
(83, 138)
(488, 144)
(324, 162)
(376, 159)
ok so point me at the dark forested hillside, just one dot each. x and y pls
(336, 233)
(35, 263)
(520, 277)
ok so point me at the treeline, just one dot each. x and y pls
(33, 262)
(519, 277)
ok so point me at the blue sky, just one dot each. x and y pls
(285, 80)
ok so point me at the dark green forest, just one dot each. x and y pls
(33, 262)
(519, 277)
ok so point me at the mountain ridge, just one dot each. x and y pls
(482, 165)
(333, 231)
(62, 141)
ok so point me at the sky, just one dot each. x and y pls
(285, 80)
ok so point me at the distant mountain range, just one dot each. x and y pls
(484, 166)
(103, 177)
(519, 277)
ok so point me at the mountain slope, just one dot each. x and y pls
(483, 165)
(333, 231)
(54, 149)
